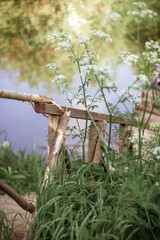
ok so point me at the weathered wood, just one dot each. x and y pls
(67, 162)
(154, 118)
(76, 113)
(56, 145)
(24, 96)
(52, 128)
(94, 147)
(17, 197)
(156, 110)
(122, 138)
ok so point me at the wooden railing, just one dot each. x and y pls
(47, 105)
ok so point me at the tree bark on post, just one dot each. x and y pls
(124, 134)
(55, 142)
(94, 147)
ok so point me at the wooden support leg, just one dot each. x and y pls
(124, 134)
(94, 147)
(56, 131)
(52, 128)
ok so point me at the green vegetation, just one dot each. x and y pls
(26, 25)
(78, 206)
(99, 202)
(20, 170)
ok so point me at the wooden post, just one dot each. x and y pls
(124, 134)
(56, 131)
(52, 127)
(94, 147)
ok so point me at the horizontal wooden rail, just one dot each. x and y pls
(47, 105)
(77, 113)
(24, 96)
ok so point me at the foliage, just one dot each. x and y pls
(96, 201)
(19, 170)
(6, 226)
(78, 207)
(25, 26)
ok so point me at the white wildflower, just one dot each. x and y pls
(5, 144)
(63, 41)
(104, 71)
(59, 77)
(101, 35)
(149, 13)
(60, 37)
(136, 100)
(156, 75)
(127, 58)
(84, 61)
(156, 152)
(142, 78)
(152, 45)
(83, 41)
(52, 66)
(143, 13)
(64, 45)
(139, 4)
(133, 13)
(112, 17)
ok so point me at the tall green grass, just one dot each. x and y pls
(79, 207)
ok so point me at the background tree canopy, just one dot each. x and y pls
(25, 26)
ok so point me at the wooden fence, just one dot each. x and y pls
(46, 105)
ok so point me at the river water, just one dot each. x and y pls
(19, 123)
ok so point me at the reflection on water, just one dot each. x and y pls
(25, 51)
(22, 124)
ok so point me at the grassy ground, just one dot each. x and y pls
(88, 204)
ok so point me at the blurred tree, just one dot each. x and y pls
(25, 26)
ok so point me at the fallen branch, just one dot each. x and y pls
(17, 197)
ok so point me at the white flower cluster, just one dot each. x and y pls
(83, 41)
(59, 77)
(103, 71)
(5, 144)
(139, 4)
(52, 66)
(91, 59)
(63, 40)
(112, 17)
(142, 78)
(101, 35)
(136, 100)
(152, 52)
(135, 140)
(156, 74)
(84, 61)
(127, 58)
(156, 152)
(142, 13)
(152, 45)
(60, 37)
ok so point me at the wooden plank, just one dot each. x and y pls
(76, 113)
